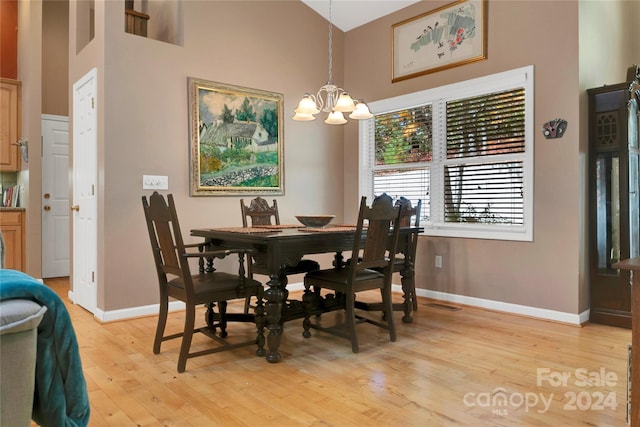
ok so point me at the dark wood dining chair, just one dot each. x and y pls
(260, 213)
(406, 256)
(378, 227)
(404, 260)
(209, 287)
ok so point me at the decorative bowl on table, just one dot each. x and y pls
(315, 221)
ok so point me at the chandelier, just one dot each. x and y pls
(331, 98)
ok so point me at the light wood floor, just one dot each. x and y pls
(448, 368)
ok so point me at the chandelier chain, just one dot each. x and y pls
(330, 45)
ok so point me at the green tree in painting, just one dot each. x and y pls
(227, 115)
(246, 113)
(235, 157)
(269, 121)
(209, 159)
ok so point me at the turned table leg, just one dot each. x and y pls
(407, 278)
(275, 300)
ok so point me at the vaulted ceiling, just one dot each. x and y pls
(349, 14)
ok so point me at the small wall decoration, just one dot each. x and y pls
(236, 140)
(554, 128)
(447, 37)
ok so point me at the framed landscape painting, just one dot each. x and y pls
(236, 140)
(447, 37)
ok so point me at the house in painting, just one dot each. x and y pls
(249, 135)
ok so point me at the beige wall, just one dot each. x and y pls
(30, 73)
(550, 272)
(43, 69)
(144, 127)
(543, 273)
(55, 57)
(281, 47)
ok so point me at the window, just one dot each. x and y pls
(465, 149)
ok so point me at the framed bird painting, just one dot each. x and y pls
(440, 39)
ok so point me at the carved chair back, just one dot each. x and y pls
(409, 245)
(381, 222)
(260, 212)
(166, 240)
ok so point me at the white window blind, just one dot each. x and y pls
(465, 150)
(479, 128)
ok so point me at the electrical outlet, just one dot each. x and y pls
(155, 182)
(438, 261)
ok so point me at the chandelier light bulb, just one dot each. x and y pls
(345, 104)
(301, 117)
(361, 112)
(335, 118)
(307, 105)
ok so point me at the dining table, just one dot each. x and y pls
(275, 247)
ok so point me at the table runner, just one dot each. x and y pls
(277, 226)
(246, 230)
(334, 229)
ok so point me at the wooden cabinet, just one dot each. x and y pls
(10, 124)
(9, 39)
(614, 201)
(633, 265)
(12, 228)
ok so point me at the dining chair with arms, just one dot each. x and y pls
(374, 247)
(209, 287)
(260, 213)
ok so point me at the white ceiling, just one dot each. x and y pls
(349, 14)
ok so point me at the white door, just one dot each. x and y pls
(55, 196)
(84, 205)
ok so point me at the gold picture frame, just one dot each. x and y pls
(236, 139)
(440, 39)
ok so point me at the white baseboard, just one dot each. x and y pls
(130, 313)
(523, 310)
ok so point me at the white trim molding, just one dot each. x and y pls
(132, 312)
(505, 307)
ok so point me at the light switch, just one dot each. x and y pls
(155, 182)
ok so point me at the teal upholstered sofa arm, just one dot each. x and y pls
(19, 320)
